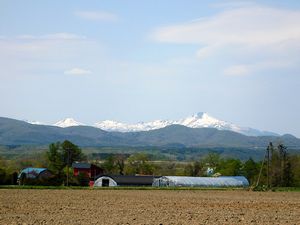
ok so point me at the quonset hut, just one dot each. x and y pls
(124, 180)
(182, 181)
(31, 173)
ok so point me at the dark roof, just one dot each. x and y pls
(84, 165)
(132, 180)
(80, 165)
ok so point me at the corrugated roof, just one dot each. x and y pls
(32, 172)
(223, 181)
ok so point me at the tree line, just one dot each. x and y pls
(278, 168)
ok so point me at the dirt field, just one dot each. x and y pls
(148, 207)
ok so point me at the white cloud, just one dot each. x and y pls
(32, 46)
(232, 4)
(97, 16)
(247, 33)
(206, 51)
(55, 36)
(251, 26)
(245, 69)
(63, 36)
(77, 71)
(237, 70)
(46, 53)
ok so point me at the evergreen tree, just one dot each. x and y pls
(250, 170)
(62, 154)
(55, 157)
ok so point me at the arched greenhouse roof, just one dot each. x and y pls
(183, 181)
(32, 172)
(111, 182)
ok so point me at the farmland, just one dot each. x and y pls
(26, 206)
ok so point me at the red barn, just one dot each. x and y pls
(91, 170)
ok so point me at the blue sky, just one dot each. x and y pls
(143, 60)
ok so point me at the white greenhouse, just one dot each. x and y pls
(182, 181)
(105, 181)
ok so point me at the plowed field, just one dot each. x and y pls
(148, 207)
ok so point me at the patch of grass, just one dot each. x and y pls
(286, 189)
(277, 189)
(166, 188)
(40, 187)
(115, 188)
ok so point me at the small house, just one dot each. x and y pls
(90, 170)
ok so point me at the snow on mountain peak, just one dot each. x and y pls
(110, 125)
(198, 120)
(68, 122)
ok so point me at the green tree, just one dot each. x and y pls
(275, 172)
(294, 163)
(62, 154)
(71, 153)
(250, 170)
(194, 169)
(55, 157)
(109, 165)
(138, 164)
(288, 178)
(2, 176)
(212, 160)
(279, 166)
(230, 167)
(115, 164)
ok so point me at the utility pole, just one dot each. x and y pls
(261, 168)
(266, 158)
(68, 161)
(268, 166)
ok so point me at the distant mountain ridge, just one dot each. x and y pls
(198, 120)
(15, 132)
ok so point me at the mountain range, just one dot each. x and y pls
(16, 132)
(198, 120)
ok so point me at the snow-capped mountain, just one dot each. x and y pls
(199, 120)
(110, 125)
(68, 122)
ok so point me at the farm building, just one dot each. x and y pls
(90, 170)
(182, 181)
(121, 180)
(31, 173)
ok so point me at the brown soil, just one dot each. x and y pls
(148, 207)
